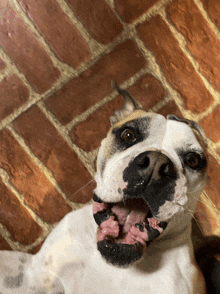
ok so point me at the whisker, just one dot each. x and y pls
(199, 200)
(192, 213)
(199, 187)
(83, 187)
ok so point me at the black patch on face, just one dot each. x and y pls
(96, 198)
(120, 254)
(150, 176)
(138, 126)
(155, 194)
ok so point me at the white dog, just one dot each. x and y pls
(136, 237)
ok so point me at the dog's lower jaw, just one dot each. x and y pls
(122, 255)
(125, 230)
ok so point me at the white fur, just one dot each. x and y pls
(69, 261)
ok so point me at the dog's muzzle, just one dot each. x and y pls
(127, 227)
(147, 169)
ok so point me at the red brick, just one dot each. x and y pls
(170, 108)
(36, 248)
(176, 66)
(16, 218)
(50, 147)
(201, 40)
(148, 90)
(211, 124)
(38, 192)
(213, 187)
(87, 136)
(13, 93)
(62, 36)
(213, 10)
(206, 221)
(28, 54)
(95, 83)
(2, 64)
(4, 244)
(129, 10)
(98, 18)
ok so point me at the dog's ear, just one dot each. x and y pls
(197, 129)
(130, 105)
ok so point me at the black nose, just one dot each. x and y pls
(154, 164)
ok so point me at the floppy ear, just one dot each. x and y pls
(130, 105)
(195, 127)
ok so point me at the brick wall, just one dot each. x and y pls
(57, 58)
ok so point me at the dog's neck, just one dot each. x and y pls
(180, 225)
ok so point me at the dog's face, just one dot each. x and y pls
(147, 167)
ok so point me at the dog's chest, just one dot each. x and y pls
(161, 275)
(163, 270)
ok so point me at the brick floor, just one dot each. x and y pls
(175, 64)
(57, 59)
(95, 83)
(23, 47)
(27, 178)
(62, 36)
(199, 36)
(103, 27)
(13, 93)
(16, 218)
(130, 10)
(2, 64)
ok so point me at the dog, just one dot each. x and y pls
(136, 235)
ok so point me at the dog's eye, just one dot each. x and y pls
(128, 135)
(192, 160)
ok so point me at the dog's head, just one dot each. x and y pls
(149, 168)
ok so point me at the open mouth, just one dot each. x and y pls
(125, 229)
